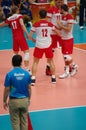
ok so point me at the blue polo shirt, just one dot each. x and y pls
(18, 80)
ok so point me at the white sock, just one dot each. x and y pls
(53, 76)
(33, 77)
(48, 64)
(67, 69)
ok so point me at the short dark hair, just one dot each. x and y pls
(16, 60)
(42, 13)
(64, 7)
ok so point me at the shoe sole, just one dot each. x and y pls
(64, 77)
(73, 74)
(53, 82)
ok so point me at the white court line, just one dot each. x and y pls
(6, 50)
(79, 49)
(61, 108)
(57, 48)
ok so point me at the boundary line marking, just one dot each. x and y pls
(72, 107)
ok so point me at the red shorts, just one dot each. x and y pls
(20, 43)
(55, 40)
(67, 46)
(38, 53)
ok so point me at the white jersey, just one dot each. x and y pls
(53, 14)
(68, 19)
(43, 29)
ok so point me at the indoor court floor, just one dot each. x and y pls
(60, 106)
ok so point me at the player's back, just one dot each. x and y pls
(43, 29)
(14, 22)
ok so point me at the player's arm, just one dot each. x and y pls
(66, 28)
(49, 15)
(31, 36)
(5, 96)
(56, 30)
(3, 24)
(29, 90)
(23, 27)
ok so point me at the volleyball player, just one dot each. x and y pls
(43, 29)
(66, 26)
(18, 28)
(53, 14)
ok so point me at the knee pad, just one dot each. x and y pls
(67, 57)
(26, 56)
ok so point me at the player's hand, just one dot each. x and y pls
(59, 23)
(5, 105)
(34, 40)
(29, 37)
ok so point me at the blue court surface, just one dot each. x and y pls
(6, 37)
(57, 119)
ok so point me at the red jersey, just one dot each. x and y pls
(19, 41)
(15, 25)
